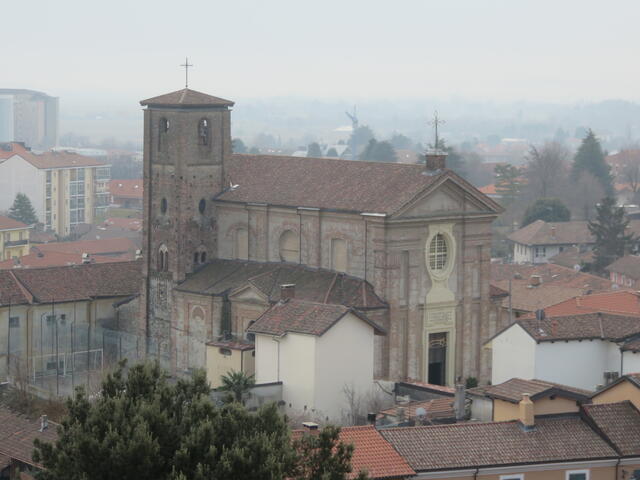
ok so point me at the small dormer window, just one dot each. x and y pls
(203, 132)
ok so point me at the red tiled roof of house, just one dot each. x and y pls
(133, 224)
(620, 422)
(470, 445)
(513, 389)
(10, 149)
(297, 316)
(489, 189)
(7, 223)
(354, 186)
(233, 344)
(126, 188)
(435, 408)
(105, 246)
(622, 302)
(186, 98)
(18, 432)
(11, 292)
(48, 160)
(553, 233)
(54, 259)
(431, 386)
(629, 265)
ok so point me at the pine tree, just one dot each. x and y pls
(22, 210)
(314, 150)
(508, 182)
(590, 158)
(610, 232)
(547, 209)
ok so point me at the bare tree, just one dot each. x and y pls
(631, 172)
(546, 168)
(581, 196)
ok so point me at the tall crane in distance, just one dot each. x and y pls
(354, 128)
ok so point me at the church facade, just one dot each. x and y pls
(407, 245)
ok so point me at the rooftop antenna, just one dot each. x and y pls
(186, 66)
(437, 121)
(354, 127)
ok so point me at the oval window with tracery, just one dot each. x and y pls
(438, 252)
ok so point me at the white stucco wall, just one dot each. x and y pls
(579, 364)
(513, 355)
(266, 359)
(630, 362)
(19, 176)
(344, 356)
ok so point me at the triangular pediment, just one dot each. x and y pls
(248, 294)
(448, 197)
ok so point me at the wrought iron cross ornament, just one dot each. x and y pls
(186, 66)
(435, 123)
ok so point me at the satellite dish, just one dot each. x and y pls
(421, 412)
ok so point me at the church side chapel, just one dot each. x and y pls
(407, 247)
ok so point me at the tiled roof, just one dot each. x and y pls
(436, 408)
(58, 259)
(70, 283)
(557, 283)
(297, 316)
(622, 302)
(233, 345)
(631, 345)
(572, 256)
(553, 233)
(605, 326)
(7, 223)
(468, 445)
(186, 98)
(10, 149)
(127, 188)
(374, 454)
(17, 434)
(48, 160)
(443, 389)
(512, 390)
(315, 285)
(105, 246)
(332, 184)
(496, 291)
(628, 265)
(620, 422)
(132, 224)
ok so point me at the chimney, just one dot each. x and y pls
(310, 426)
(436, 161)
(554, 328)
(371, 418)
(553, 231)
(459, 402)
(535, 280)
(287, 291)
(527, 420)
(400, 414)
(86, 258)
(138, 254)
(44, 423)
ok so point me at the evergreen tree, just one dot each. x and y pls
(378, 152)
(610, 231)
(508, 182)
(547, 209)
(238, 146)
(143, 427)
(314, 150)
(590, 158)
(22, 210)
(332, 153)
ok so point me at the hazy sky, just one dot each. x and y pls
(555, 50)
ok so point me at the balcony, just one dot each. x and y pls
(15, 243)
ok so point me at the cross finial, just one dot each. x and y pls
(435, 123)
(186, 66)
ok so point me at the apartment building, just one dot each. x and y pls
(14, 238)
(66, 189)
(28, 116)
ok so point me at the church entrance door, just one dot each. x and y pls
(438, 358)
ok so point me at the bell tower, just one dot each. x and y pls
(187, 138)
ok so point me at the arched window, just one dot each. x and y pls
(250, 336)
(241, 244)
(163, 206)
(338, 255)
(202, 206)
(196, 258)
(203, 257)
(438, 252)
(203, 132)
(163, 259)
(199, 256)
(289, 247)
(164, 125)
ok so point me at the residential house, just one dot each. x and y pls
(619, 162)
(317, 351)
(540, 240)
(598, 442)
(17, 433)
(424, 412)
(126, 193)
(625, 272)
(627, 387)
(14, 238)
(65, 189)
(228, 356)
(620, 302)
(589, 347)
(500, 402)
(572, 257)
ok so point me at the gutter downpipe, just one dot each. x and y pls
(278, 356)
(475, 474)
(615, 477)
(621, 361)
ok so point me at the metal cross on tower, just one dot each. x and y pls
(435, 123)
(186, 66)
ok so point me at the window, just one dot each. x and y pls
(164, 125)
(338, 255)
(577, 475)
(289, 247)
(541, 251)
(203, 257)
(251, 336)
(14, 322)
(438, 252)
(225, 351)
(202, 206)
(636, 475)
(163, 259)
(50, 319)
(241, 244)
(163, 206)
(203, 132)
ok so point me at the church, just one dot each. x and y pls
(406, 246)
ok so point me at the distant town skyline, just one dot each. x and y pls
(493, 50)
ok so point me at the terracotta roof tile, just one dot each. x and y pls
(186, 98)
(512, 390)
(628, 265)
(620, 422)
(126, 188)
(331, 184)
(553, 233)
(104, 246)
(17, 434)
(468, 445)
(297, 316)
(60, 160)
(605, 326)
(10, 149)
(7, 223)
(436, 408)
(58, 259)
(622, 302)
